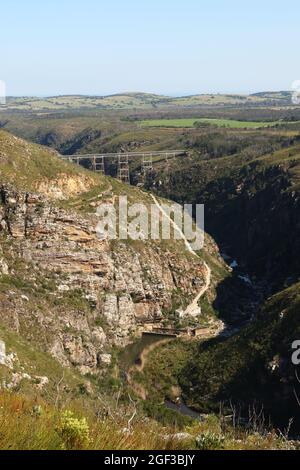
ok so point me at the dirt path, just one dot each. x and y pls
(193, 308)
(186, 242)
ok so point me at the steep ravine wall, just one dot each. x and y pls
(252, 212)
(118, 286)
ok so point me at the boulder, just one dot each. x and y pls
(3, 267)
(2, 353)
(105, 359)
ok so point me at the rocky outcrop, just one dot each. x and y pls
(2, 353)
(65, 186)
(118, 287)
(6, 359)
(3, 267)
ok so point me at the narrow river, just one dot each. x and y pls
(131, 355)
(133, 358)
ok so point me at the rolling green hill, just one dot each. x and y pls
(144, 101)
(212, 122)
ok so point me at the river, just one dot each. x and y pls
(133, 357)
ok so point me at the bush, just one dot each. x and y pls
(73, 431)
(210, 441)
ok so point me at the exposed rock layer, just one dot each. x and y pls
(123, 285)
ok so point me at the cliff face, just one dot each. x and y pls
(251, 207)
(258, 220)
(76, 295)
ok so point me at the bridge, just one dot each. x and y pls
(97, 161)
(155, 328)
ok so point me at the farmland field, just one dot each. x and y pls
(213, 122)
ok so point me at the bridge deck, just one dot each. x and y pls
(128, 154)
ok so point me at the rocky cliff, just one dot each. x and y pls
(66, 290)
(251, 207)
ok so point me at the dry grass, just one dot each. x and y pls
(27, 424)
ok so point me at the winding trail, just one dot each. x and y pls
(187, 243)
(193, 308)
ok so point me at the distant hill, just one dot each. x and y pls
(145, 101)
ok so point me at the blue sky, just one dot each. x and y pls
(167, 46)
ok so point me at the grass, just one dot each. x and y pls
(188, 123)
(81, 102)
(44, 427)
(28, 165)
(39, 430)
(163, 368)
(37, 363)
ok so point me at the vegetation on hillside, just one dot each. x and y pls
(248, 178)
(142, 100)
(43, 427)
(213, 122)
(250, 191)
(26, 166)
(253, 367)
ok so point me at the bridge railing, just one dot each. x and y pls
(129, 154)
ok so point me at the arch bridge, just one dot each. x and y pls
(98, 160)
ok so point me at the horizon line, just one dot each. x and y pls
(122, 93)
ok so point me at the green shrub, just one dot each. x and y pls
(73, 431)
(210, 441)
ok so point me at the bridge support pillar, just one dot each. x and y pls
(98, 164)
(74, 160)
(147, 164)
(123, 168)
